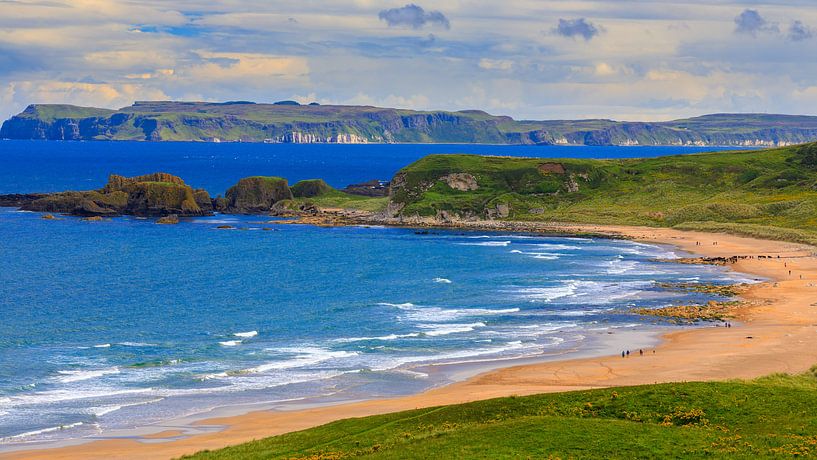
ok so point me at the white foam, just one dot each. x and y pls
(442, 280)
(136, 344)
(398, 305)
(104, 410)
(382, 337)
(56, 396)
(548, 294)
(487, 243)
(435, 330)
(80, 375)
(437, 314)
(246, 335)
(554, 246)
(584, 292)
(28, 434)
(230, 343)
(538, 255)
(103, 345)
(305, 356)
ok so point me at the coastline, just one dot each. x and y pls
(777, 335)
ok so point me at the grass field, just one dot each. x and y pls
(770, 417)
(743, 192)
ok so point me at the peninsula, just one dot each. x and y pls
(291, 122)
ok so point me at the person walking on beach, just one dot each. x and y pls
(641, 352)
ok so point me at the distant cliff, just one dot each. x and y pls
(293, 123)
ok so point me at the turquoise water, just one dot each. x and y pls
(124, 323)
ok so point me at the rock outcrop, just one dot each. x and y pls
(256, 195)
(310, 188)
(463, 182)
(158, 194)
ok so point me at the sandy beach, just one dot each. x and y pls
(777, 334)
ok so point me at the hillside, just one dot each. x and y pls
(754, 189)
(741, 419)
(294, 123)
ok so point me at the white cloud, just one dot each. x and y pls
(657, 59)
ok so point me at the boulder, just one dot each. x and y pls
(461, 181)
(172, 219)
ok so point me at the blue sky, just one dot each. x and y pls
(634, 60)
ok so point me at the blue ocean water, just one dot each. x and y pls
(122, 323)
(48, 166)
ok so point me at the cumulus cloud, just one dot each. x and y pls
(413, 16)
(750, 22)
(799, 32)
(572, 28)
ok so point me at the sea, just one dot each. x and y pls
(123, 324)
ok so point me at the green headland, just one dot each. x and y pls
(290, 122)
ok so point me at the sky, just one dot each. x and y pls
(530, 59)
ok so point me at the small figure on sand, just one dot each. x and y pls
(641, 352)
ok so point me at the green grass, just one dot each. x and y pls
(740, 191)
(338, 199)
(774, 416)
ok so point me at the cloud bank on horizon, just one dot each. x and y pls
(629, 59)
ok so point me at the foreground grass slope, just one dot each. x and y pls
(750, 191)
(774, 416)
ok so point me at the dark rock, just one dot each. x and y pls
(16, 200)
(158, 194)
(257, 195)
(310, 188)
(372, 188)
(172, 219)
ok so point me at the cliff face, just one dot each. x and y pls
(157, 194)
(288, 123)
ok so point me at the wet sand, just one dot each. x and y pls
(777, 334)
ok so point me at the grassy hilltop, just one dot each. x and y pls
(771, 417)
(294, 123)
(747, 192)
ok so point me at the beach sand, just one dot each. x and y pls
(777, 334)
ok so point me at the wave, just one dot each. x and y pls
(436, 330)
(58, 396)
(230, 343)
(554, 246)
(306, 356)
(246, 335)
(584, 292)
(538, 255)
(383, 337)
(487, 243)
(104, 410)
(442, 280)
(29, 434)
(80, 375)
(398, 305)
(437, 314)
(136, 344)
(103, 345)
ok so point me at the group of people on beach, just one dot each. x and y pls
(626, 353)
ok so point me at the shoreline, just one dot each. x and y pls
(779, 334)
